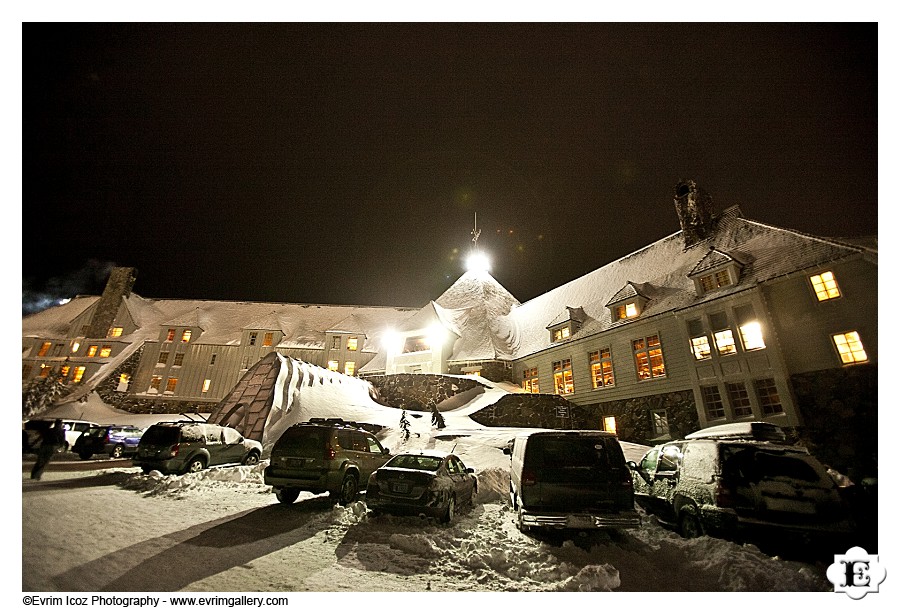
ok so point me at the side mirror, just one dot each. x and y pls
(638, 470)
(508, 452)
(470, 470)
(387, 450)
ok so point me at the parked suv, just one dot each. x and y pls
(331, 456)
(570, 480)
(115, 440)
(189, 447)
(743, 481)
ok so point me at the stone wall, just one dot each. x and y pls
(633, 416)
(416, 391)
(493, 370)
(532, 411)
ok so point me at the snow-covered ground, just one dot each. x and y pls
(117, 530)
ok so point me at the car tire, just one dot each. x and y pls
(252, 458)
(145, 469)
(349, 489)
(450, 512)
(689, 524)
(117, 452)
(287, 495)
(196, 465)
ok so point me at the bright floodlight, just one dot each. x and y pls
(477, 263)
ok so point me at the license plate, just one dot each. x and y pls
(400, 487)
(581, 521)
(296, 462)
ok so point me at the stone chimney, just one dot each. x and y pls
(119, 285)
(695, 212)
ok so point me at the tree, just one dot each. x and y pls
(404, 426)
(437, 420)
(40, 393)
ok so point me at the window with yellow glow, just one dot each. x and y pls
(267, 339)
(648, 358)
(725, 341)
(186, 336)
(530, 380)
(825, 286)
(561, 333)
(349, 367)
(155, 381)
(719, 279)
(64, 371)
(75, 346)
(562, 376)
(332, 365)
(45, 370)
(601, 368)
(609, 424)
(626, 311)
(45, 347)
(124, 379)
(700, 347)
(206, 384)
(752, 337)
(92, 351)
(170, 336)
(850, 347)
(170, 384)
(105, 351)
(352, 343)
(115, 331)
(79, 373)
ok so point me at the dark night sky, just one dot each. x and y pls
(343, 163)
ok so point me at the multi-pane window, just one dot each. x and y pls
(335, 343)
(712, 402)
(752, 337)
(648, 357)
(699, 339)
(850, 347)
(170, 336)
(352, 343)
(155, 381)
(267, 339)
(170, 384)
(186, 336)
(45, 347)
(769, 400)
(253, 338)
(725, 342)
(179, 359)
(626, 311)
(163, 358)
(715, 280)
(739, 398)
(530, 380)
(92, 351)
(105, 351)
(58, 349)
(660, 422)
(64, 372)
(212, 359)
(45, 370)
(562, 376)
(333, 365)
(410, 346)
(115, 331)
(78, 374)
(825, 286)
(349, 367)
(601, 368)
(561, 333)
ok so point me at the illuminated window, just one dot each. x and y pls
(92, 351)
(105, 351)
(186, 336)
(416, 344)
(45, 347)
(349, 367)
(206, 384)
(179, 359)
(163, 358)
(725, 341)
(64, 372)
(626, 311)
(752, 337)
(170, 336)
(155, 381)
(267, 340)
(769, 400)
(601, 368)
(530, 380)
(252, 338)
(75, 346)
(124, 379)
(561, 333)
(825, 286)
(648, 358)
(352, 343)
(609, 424)
(850, 347)
(78, 374)
(700, 347)
(712, 402)
(739, 399)
(170, 384)
(715, 280)
(660, 423)
(115, 331)
(45, 370)
(332, 365)
(562, 376)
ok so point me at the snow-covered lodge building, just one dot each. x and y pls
(727, 319)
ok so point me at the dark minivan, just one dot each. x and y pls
(575, 479)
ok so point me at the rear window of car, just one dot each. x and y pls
(161, 435)
(754, 465)
(573, 452)
(415, 461)
(305, 441)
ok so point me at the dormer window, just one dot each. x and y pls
(716, 270)
(628, 310)
(719, 279)
(561, 334)
(629, 302)
(186, 336)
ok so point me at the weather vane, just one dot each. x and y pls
(475, 233)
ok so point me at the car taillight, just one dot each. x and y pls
(173, 451)
(528, 478)
(329, 453)
(724, 496)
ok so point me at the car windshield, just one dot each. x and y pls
(414, 461)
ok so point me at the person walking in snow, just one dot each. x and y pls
(52, 439)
